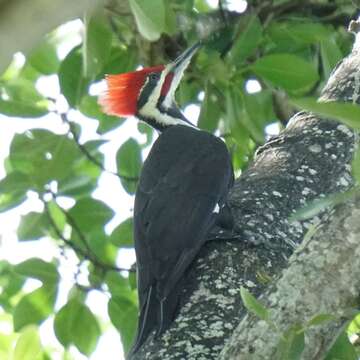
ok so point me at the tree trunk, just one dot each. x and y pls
(310, 159)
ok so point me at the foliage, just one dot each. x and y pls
(288, 49)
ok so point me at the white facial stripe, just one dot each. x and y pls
(150, 110)
(170, 96)
(150, 105)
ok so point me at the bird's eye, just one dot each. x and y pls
(154, 76)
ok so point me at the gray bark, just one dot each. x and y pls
(310, 159)
(323, 277)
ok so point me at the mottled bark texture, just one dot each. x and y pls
(323, 277)
(310, 159)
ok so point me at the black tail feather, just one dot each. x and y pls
(168, 310)
(147, 320)
(155, 315)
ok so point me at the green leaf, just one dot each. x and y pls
(11, 284)
(318, 205)
(287, 71)
(330, 55)
(39, 269)
(170, 19)
(121, 60)
(347, 113)
(293, 36)
(73, 84)
(20, 109)
(123, 314)
(90, 107)
(100, 245)
(97, 44)
(43, 156)
(90, 214)
(44, 57)
(132, 280)
(201, 6)
(6, 344)
(35, 307)
(259, 109)
(122, 235)
(320, 319)
(77, 186)
(354, 326)
(250, 35)
(23, 90)
(147, 130)
(235, 114)
(76, 324)
(128, 159)
(342, 349)
(291, 344)
(307, 32)
(13, 189)
(86, 167)
(23, 99)
(32, 226)
(253, 305)
(28, 345)
(57, 215)
(117, 284)
(210, 111)
(149, 17)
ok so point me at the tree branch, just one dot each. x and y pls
(87, 253)
(323, 277)
(87, 154)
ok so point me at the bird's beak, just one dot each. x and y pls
(177, 68)
(182, 62)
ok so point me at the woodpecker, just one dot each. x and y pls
(181, 192)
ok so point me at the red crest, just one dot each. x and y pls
(122, 92)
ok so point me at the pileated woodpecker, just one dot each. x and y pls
(181, 192)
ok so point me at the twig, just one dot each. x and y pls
(87, 154)
(86, 254)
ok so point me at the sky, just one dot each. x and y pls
(109, 346)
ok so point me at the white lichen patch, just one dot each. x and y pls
(228, 326)
(315, 148)
(299, 178)
(276, 193)
(233, 291)
(250, 284)
(269, 216)
(312, 171)
(344, 182)
(220, 284)
(345, 130)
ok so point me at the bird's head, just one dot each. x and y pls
(149, 93)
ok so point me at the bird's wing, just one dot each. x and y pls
(184, 181)
(175, 208)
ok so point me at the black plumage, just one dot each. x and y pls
(183, 185)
